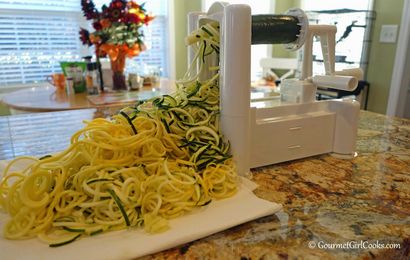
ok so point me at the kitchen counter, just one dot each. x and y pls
(363, 202)
(327, 200)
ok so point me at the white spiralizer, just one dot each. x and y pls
(297, 126)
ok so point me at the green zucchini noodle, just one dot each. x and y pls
(150, 163)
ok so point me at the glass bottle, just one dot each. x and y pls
(92, 79)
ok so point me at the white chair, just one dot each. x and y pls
(270, 64)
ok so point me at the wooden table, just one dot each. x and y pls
(325, 200)
(48, 98)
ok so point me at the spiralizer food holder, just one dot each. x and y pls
(298, 126)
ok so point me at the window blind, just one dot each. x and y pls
(156, 39)
(35, 35)
(33, 44)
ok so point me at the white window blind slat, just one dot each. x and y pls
(29, 42)
(66, 5)
(16, 71)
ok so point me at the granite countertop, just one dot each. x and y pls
(363, 202)
(328, 201)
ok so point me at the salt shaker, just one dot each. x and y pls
(70, 86)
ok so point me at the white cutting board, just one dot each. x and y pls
(131, 243)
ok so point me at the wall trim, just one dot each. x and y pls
(400, 82)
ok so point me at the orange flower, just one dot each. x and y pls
(105, 23)
(94, 39)
(111, 50)
(148, 19)
(133, 51)
(133, 11)
(133, 5)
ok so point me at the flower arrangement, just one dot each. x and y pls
(117, 32)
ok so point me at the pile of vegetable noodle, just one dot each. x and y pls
(151, 162)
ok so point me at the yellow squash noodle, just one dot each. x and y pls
(151, 162)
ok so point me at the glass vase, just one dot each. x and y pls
(118, 76)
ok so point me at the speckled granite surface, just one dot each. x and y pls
(325, 200)
(364, 202)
